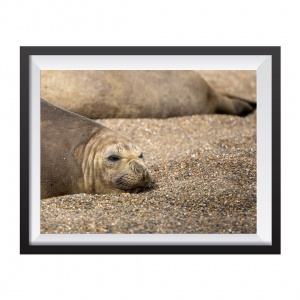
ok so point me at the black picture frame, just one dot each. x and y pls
(27, 248)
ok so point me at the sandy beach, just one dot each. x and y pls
(205, 172)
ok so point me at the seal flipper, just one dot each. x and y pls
(251, 102)
(233, 105)
(243, 108)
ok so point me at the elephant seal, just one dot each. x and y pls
(79, 155)
(137, 94)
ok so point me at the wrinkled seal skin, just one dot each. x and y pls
(137, 94)
(76, 156)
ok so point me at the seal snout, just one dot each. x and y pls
(141, 170)
(136, 167)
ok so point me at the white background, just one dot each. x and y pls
(141, 23)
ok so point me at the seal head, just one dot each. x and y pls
(111, 164)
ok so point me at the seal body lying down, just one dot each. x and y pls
(79, 155)
(137, 94)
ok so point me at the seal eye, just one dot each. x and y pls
(113, 158)
(141, 156)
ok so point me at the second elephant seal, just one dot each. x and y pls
(137, 94)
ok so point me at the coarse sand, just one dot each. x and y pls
(205, 172)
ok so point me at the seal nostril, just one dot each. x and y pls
(137, 167)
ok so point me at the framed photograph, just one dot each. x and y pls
(150, 150)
